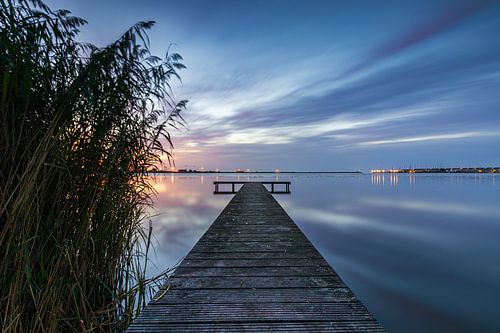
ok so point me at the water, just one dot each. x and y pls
(420, 251)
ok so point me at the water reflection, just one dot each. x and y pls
(443, 207)
(183, 210)
(393, 179)
(421, 251)
(412, 179)
(378, 179)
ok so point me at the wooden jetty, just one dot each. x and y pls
(254, 271)
(233, 183)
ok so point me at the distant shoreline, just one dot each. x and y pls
(493, 170)
(487, 170)
(266, 172)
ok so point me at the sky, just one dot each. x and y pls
(324, 85)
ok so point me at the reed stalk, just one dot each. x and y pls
(80, 127)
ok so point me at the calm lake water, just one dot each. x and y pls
(422, 252)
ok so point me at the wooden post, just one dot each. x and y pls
(233, 187)
(272, 187)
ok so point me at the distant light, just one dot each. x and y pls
(385, 171)
(248, 170)
(277, 170)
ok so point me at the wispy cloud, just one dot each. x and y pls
(436, 137)
(447, 19)
(335, 126)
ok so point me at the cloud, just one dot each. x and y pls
(444, 21)
(434, 82)
(436, 137)
(334, 127)
(405, 99)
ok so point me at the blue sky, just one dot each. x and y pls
(325, 85)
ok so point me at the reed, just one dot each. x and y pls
(80, 127)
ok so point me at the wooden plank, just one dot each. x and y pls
(253, 262)
(202, 312)
(255, 255)
(255, 271)
(293, 252)
(259, 327)
(232, 282)
(248, 246)
(251, 238)
(261, 295)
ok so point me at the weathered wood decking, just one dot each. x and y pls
(255, 271)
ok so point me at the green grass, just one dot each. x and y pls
(80, 126)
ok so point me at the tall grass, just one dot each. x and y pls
(80, 126)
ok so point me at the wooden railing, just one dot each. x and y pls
(285, 189)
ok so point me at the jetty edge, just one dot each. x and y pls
(255, 271)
